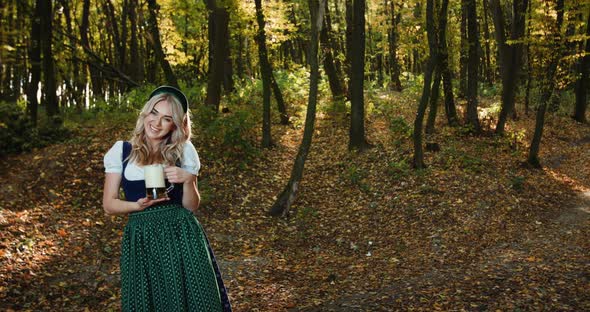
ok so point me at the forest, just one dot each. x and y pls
(357, 155)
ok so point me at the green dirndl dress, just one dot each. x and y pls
(166, 260)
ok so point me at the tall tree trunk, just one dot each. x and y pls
(218, 51)
(529, 68)
(348, 45)
(287, 196)
(157, 44)
(472, 67)
(464, 55)
(510, 56)
(582, 83)
(35, 59)
(442, 60)
(450, 109)
(77, 86)
(489, 72)
(136, 70)
(279, 98)
(329, 66)
(418, 161)
(547, 88)
(357, 105)
(49, 81)
(392, 44)
(433, 106)
(95, 74)
(266, 72)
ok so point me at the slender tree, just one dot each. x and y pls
(489, 71)
(35, 60)
(287, 196)
(464, 51)
(510, 55)
(95, 74)
(329, 65)
(357, 76)
(77, 83)
(49, 80)
(440, 39)
(547, 87)
(472, 66)
(136, 70)
(157, 44)
(418, 161)
(392, 36)
(582, 83)
(218, 51)
(266, 72)
(450, 109)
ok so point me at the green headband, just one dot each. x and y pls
(174, 92)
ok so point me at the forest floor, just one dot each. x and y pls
(475, 231)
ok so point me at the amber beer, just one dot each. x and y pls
(155, 188)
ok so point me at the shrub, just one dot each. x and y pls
(17, 133)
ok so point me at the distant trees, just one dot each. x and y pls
(287, 196)
(82, 53)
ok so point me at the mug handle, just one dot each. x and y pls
(170, 188)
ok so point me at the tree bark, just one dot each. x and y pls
(433, 106)
(582, 83)
(35, 60)
(547, 88)
(357, 106)
(78, 79)
(463, 56)
(95, 75)
(472, 67)
(136, 70)
(287, 196)
(279, 98)
(49, 83)
(392, 44)
(348, 45)
(266, 72)
(442, 62)
(218, 51)
(157, 44)
(510, 56)
(329, 66)
(489, 71)
(418, 160)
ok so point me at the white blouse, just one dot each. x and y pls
(113, 162)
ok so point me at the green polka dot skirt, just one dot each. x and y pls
(165, 263)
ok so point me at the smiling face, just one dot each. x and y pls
(158, 124)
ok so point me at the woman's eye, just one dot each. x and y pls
(168, 119)
(153, 112)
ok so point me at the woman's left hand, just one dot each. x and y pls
(178, 175)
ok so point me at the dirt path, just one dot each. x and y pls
(549, 270)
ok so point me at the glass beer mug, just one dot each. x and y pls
(155, 186)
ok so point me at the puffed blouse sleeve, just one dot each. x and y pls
(190, 159)
(112, 159)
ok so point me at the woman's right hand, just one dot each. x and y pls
(146, 202)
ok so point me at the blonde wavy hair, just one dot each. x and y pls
(170, 149)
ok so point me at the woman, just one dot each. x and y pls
(166, 261)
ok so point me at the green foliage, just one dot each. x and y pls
(17, 133)
(490, 90)
(398, 169)
(356, 176)
(471, 163)
(400, 127)
(233, 132)
(517, 183)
